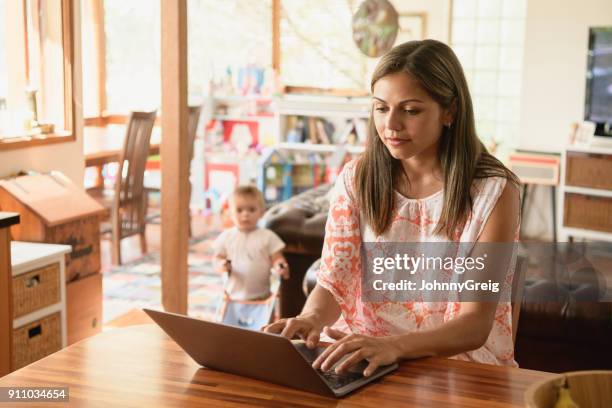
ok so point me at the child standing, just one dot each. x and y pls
(246, 252)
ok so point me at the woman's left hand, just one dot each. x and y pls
(377, 351)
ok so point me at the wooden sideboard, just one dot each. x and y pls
(587, 193)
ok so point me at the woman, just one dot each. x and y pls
(424, 177)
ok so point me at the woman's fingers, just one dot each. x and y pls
(335, 352)
(294, 326)
(275, 327)
(334, 334)
(371, 367)
(353, 359)
(312, 339)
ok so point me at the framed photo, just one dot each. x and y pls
(412, 26)
(584, 134)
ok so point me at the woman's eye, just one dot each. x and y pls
(412, 111)
(381, 109)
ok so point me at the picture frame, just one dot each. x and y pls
(412, 26)
(584, 134)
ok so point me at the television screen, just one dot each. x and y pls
(598, 102)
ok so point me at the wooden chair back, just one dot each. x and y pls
(129, 208)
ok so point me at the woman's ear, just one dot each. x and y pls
(450, 113)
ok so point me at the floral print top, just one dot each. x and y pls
(414, 220)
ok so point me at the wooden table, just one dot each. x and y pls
(140, 366)
(102, 145)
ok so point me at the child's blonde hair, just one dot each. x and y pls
(249, 191)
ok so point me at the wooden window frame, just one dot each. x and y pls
(68, 135)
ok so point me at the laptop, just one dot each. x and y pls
(259, 355)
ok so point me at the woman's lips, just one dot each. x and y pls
(395, 141)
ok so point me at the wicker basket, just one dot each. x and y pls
(588, 212)
(36, 289)
(589, 170)
(591, 389)
(36, 340)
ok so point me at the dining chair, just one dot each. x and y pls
(192, 126)
(127, 201)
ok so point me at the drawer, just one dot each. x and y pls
(588, 212)
(36, 289)
(36, 340)
(588, 170)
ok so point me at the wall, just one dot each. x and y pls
(556, 41)
(65, 157)
(438, 15)
(552, 96)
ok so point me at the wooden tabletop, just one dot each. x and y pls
(103, 145)
(140, 366)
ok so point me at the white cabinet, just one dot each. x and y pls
(39, 300)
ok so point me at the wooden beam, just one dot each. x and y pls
(6, 292)
(276, 17)
(175, 153)
(100, 45)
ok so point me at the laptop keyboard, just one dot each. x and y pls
(333, 379)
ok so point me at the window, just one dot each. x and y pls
(226, 35)
(488, 37)
(133, 78)
(3, 57)
(35, 38)
(317, 47)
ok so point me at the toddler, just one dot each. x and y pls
(246, 252)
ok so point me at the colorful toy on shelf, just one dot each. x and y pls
(274, 171)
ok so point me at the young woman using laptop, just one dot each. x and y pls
(424, 177)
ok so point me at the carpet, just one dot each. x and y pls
(137, 284)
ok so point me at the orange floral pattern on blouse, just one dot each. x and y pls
(414, 220)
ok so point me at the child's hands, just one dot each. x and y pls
(224, 266)
(281, 268)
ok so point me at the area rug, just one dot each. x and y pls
(138, 284)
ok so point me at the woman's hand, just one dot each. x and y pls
(305, 326)
(377, 351)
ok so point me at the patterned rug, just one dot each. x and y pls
(138, 284)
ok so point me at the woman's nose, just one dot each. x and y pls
(393, 120)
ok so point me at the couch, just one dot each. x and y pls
(561, 335)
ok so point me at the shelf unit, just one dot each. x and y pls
(586, 193)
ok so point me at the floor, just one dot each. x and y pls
(130, 247)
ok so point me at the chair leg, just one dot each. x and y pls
(116, 249)
(143, 242)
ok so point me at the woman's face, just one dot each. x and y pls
(408, 121)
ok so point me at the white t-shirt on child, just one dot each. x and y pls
(249, 253)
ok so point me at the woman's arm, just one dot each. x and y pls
(468, 331)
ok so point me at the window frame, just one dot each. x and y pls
(68, 135)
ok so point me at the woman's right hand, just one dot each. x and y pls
(304, 326)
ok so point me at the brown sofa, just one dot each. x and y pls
(561, 335)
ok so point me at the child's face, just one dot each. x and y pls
(407, 119)
(245, 211)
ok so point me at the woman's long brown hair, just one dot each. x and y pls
(462, 155)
